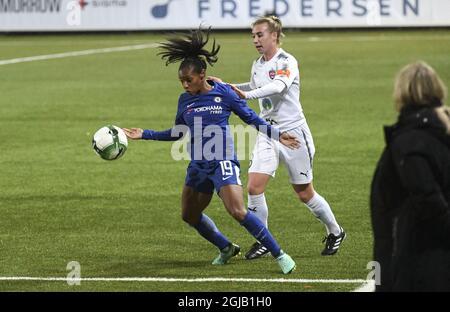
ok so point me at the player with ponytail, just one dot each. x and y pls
(203, 105)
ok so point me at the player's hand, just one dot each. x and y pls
(133, 133)
(239, 92)
(289, 140)
(216, 79)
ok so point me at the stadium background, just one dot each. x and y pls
(60, 203)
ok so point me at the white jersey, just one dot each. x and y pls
(282, 110)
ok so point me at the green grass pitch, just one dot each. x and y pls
(59, 202)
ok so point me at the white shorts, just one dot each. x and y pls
(268, 153)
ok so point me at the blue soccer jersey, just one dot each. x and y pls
(205, 116)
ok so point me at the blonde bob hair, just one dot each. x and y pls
(418, 84)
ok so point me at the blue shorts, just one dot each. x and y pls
(205, 176)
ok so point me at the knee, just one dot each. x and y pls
(189, 218)
(254, 189)
(238, 213)
(306, 195)
(305, 192)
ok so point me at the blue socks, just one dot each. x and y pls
(209, 230)
(255, 227)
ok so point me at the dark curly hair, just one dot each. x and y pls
(190, 50)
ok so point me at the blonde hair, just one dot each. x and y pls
(418, 84)
(274, 24)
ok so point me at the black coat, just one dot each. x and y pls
(409, 201)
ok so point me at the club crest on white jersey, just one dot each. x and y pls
(284, 108)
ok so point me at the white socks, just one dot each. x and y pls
(257, 204)
(320, 208)
(317, 204)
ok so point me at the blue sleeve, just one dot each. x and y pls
(247, 115)
(173, 134)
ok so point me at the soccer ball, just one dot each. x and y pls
(110, 142)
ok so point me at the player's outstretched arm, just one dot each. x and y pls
(173, 134)
(273, 88)
(133, 133)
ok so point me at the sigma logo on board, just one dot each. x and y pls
(103, 3)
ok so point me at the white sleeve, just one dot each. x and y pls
(275, 87)
(287, 70)
(246, 86)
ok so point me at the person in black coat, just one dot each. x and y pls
(410, 193)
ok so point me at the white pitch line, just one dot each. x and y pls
(187, 280)
(368, 286)
(77, 53)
